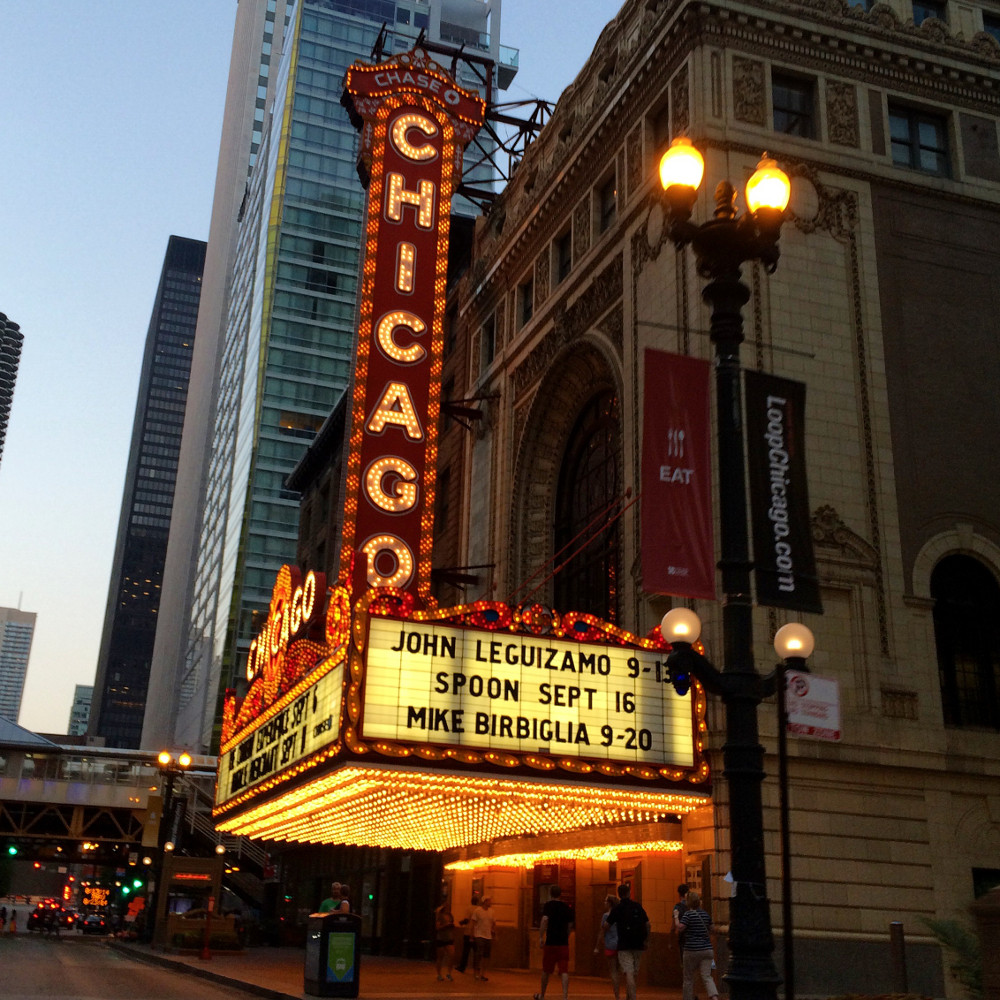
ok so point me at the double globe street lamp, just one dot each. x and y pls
(721, 246)
(171, 766)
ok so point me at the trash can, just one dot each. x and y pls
(333, 955)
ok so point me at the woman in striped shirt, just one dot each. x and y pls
(697, 941)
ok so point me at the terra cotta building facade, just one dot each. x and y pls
(884, 305)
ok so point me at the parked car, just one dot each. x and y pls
(94, 923)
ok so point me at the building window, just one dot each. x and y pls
(659, 129)
(525, 300)
(794, 104)
(586, 533)
(967, 635)
(607, 205)
(923, 9)
(919, 140)
(991, 25)
(564, 255)
(488, 342)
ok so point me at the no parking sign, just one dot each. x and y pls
(813, 705)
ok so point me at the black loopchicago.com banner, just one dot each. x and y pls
(785, 566)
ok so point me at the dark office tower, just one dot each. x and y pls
(140, 549)
(10, 354)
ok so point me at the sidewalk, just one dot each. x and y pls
(278, 973)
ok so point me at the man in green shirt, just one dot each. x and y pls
(332, 904)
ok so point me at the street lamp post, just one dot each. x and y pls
(794, 644)
(170, 766)
(721, 246)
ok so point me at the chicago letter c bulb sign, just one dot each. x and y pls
(415, 123)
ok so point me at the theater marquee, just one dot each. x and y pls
(471, 688)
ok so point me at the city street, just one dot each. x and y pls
(75, 968)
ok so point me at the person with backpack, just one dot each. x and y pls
(633, 933)
(607, 941)
(697, 943)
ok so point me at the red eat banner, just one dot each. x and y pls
(678, 550)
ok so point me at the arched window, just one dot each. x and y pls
(967, 633)
(589, 482)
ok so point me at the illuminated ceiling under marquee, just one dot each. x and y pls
(402, 807)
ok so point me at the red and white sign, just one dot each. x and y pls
(678, 550)
(813, 705)
(415, 123)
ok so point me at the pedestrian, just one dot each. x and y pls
(698, 956)
(679, 907)
(553, 936)
(483, 925)
(607, 942)
(444, 940)
(12, 927)
(633, 933)
(345, 898)
(468, 940)
(3, 918)
(332, 903)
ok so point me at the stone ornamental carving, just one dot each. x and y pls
(679, 102)
(842, 113)
(985, 45)
(749, 103)
(581, 228)
(541, 279)
(935, 28)
(884, 16)
(633, 162)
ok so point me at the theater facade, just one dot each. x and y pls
(474, 690)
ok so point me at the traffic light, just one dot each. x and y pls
(12, 850)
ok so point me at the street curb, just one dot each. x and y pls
(192, 970)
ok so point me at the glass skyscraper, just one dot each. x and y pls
(140, 548)
(17, 628)
(287, 346)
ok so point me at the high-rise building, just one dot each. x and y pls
(286, 336)
(258, 39)
(79, 713)
(16, 631)
(140, 549)
(11, 339)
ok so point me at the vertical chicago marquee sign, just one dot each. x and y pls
(415, 122)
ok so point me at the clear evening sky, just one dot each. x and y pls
(110, 115)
